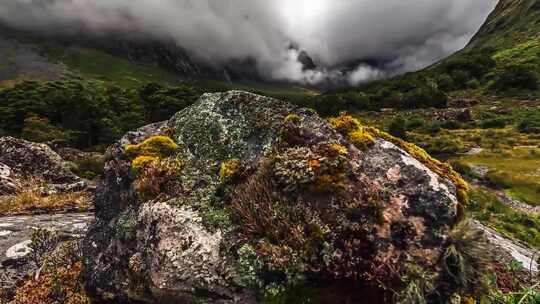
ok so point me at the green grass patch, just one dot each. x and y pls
(96, 64)
(286, 92)
(488, 209)
(516, 170)
(524, 53)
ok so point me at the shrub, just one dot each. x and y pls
(398, 127)
(475, 64)
(451, 125)
(426, 96)
(90, 166)
(432, 127)
(60, 285)
(40, 129)
(158, 178)
(446, 83)
(530, 123)
(42, 242)
(416, 122)
(516, 77)
(494, 123)
(466, 258)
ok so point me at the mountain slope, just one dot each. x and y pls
(503, 59)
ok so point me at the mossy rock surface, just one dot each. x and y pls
(303, 209)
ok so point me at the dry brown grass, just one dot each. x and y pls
(33, 201)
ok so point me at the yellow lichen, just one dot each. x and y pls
(142, 162)
(158, 146)
(149, 151)
(442, 169)
(353, 130)
(362, 137)
(292, 118)
(339, 149)
(345, 124)
(229, 171)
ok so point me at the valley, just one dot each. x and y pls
(146, 175)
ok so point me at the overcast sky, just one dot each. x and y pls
(392, 35)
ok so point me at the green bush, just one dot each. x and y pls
(40, 129)
(474, 65)
(398, 128)
(531, 122)
(446, 83)
(86, 113)
(494, 123)
(451, 125)
(516, 77)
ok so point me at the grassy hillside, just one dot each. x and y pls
(28, 57)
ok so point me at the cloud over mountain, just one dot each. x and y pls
(379, 37)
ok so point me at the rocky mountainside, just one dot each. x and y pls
(46, 55)
(241, 198)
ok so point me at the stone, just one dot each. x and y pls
(33, 159)
(355, 216)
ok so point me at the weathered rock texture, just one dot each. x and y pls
(25, 158)
(266, 199)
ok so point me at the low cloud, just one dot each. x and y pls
(403, 35)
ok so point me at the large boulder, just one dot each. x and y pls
(37, 160)
(262, 199)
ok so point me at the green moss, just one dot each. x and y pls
(248, 269)
(127, 226)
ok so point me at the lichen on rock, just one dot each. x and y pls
(270, 200)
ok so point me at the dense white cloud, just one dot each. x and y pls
(404, 35)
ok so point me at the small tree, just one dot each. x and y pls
(40, 129)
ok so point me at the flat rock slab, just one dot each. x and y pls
(15, 231)
(526, 256)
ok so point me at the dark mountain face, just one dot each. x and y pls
(142, 50)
